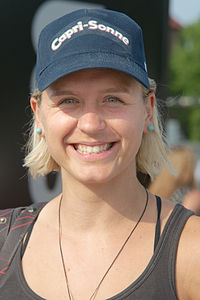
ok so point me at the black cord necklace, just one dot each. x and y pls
(92, 297)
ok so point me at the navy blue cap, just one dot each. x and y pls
(90, 38)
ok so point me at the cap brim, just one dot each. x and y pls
(66, 65)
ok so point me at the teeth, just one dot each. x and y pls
(90, 150)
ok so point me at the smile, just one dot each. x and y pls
(85, 149)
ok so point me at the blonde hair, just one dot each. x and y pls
(150, 159)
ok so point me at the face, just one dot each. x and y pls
(93, 121)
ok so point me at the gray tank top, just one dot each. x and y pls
(157, 282)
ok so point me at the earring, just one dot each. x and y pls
(39, 130)
(151, 128)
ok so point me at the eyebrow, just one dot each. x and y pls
(116, 90)
(54, 93)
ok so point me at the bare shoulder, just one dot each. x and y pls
(188, 261)
(190, 239)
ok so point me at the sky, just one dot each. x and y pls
(185, 12)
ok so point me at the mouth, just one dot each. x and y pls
(97, 149)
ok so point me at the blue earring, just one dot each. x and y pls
(39, 130)
(151, 128)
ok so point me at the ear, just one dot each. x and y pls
(36, 110)
(149, 106)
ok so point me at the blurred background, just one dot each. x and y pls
(172, 42)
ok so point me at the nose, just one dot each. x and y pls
(91, 122)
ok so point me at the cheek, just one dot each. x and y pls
(131, 131)
(131, 124)
(57, 126)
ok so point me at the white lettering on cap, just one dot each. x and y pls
(91, 25)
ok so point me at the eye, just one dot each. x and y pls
(68, 101)
(113, 100)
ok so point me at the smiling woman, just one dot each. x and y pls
(77, 110)
(95, 121)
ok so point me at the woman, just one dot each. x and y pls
(95, 121)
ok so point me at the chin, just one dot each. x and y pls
(94, 177)
(93, 180)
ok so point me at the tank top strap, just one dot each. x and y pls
(157, 231)
(166, 252)
(174, 228)
(27, 237)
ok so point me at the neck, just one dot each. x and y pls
(94, 206)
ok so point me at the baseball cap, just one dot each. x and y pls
(90, 38)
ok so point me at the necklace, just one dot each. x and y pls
(92, 297)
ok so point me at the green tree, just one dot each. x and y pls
(189, 118)
(184, 65)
